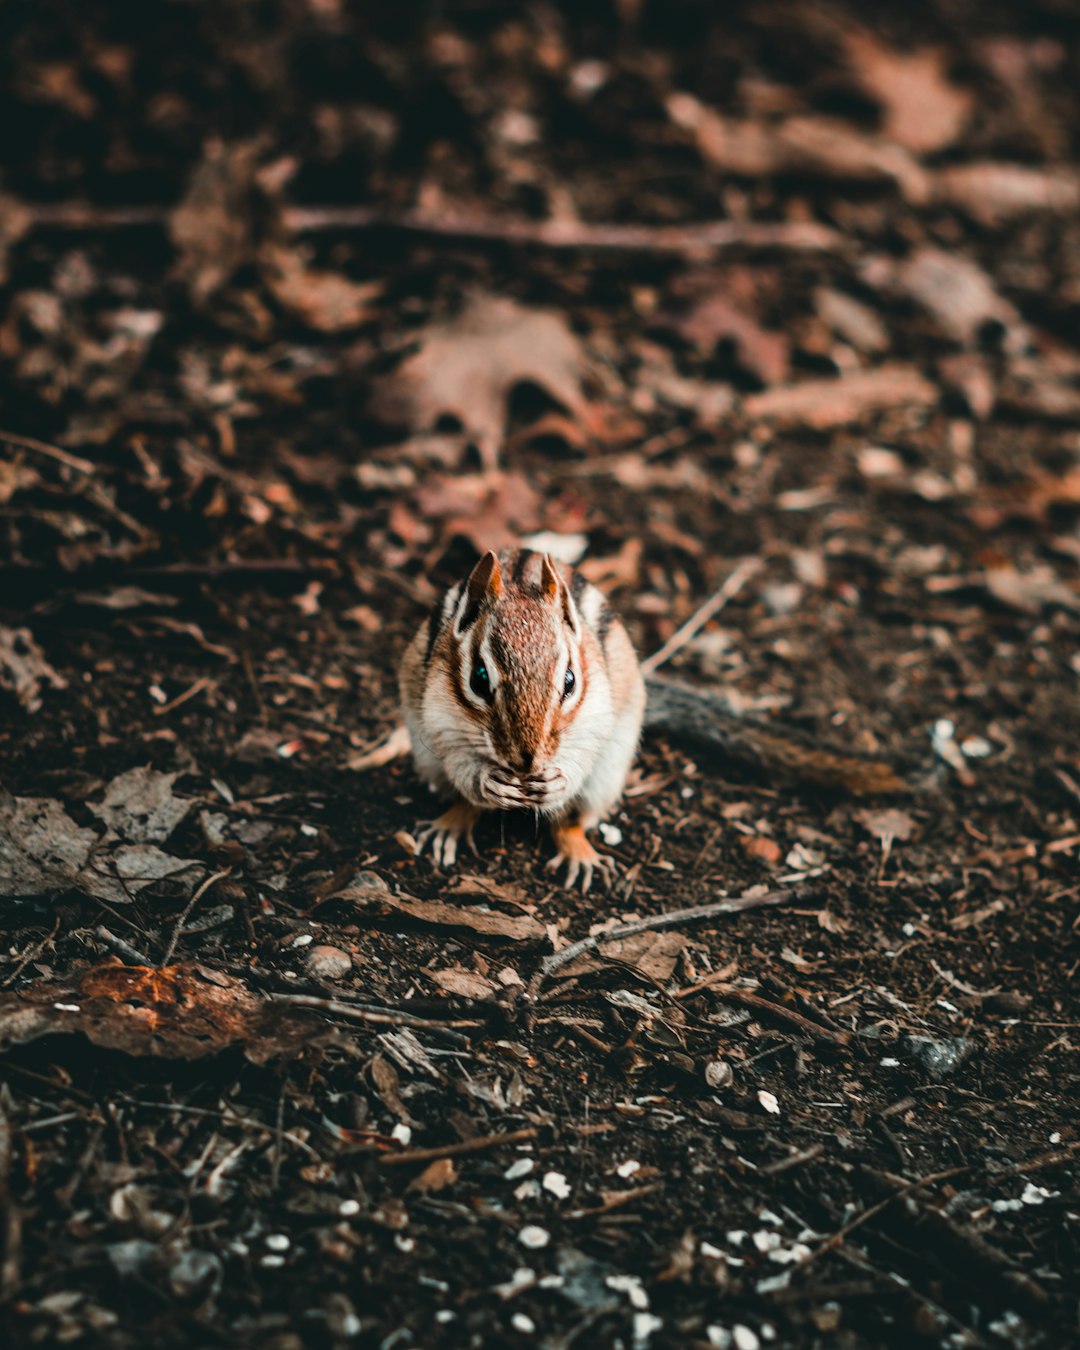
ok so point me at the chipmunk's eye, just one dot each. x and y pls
(568, 683)
(479, 682)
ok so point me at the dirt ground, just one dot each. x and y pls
(302, 304)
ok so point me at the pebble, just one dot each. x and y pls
(328, 963)
(534, 1236)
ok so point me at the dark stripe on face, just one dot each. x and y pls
(521, 562)
(434, 624)
(456, 677)
(604, 622)
(577, 587)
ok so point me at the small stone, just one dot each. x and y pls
(718, 1074)
(533, 1236)
(940, 1057)
(328, 963)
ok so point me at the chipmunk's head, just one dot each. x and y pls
(523, 676)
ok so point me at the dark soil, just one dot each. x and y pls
(847, 1121)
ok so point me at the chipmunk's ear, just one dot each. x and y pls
(556, 592)
(550, 581)
(485, 584)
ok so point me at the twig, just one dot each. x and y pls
(698, 237)
(481, 1145)
(51, 451)
(379, 1019)
(806, 1024)
(203, 682)
(131, 954)
(734, 583)
(673, 919)
(796, 1159)
(179, 925)
(10, 1218)
(616, 1201)
(842, 1234)
(279, 1138)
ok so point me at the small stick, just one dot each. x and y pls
(734, 583)
(51, 451)
(131, 954)
(796, 1159)
(203, 682)
(842, 1234)
(694, 238)
(379, 1019)
(842, 1039)
(673, 919)
(423, 1155)
(179, 925)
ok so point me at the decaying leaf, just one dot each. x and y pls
(435, 1177)
(173, 1012)
(42, 850)
(321, 299)
(814, 145)
(464, 983)
(211, 226)
(369, 892)
(140, 806)
(995, 193)
(654, 955)
(956, 292)
(467, 367)
(24, 669)
(923, 110)
(830, 403)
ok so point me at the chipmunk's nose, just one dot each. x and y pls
(525, 760)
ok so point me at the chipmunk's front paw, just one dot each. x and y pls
(444, 835)
(581, 859)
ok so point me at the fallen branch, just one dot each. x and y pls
(733, 584)
(423, 1155)
(841, 1039)
(50, 451)
(701, 237)
(390, 1018)
(673, 919)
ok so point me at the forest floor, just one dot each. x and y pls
(302, 305)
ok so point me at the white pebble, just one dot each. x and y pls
(523, 1322)
(401, 1132)
(744, 1339)
(628, 1168)
(557, 1184)
(278, 1242)
(519, 1169)
(533, 1236)
(645, 1323)
(348, 1208)
(769, 1102)
(610, 834)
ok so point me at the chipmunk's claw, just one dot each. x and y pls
(581, 859)
(445, 835)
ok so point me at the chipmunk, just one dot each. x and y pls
(523, 691)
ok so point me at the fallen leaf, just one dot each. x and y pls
(24, 669)
(1030, 591)
(464, 983)
(654, 955)
(211, 226)
(388, 1086)
(956, 292)
(172, 1012)
(370, 892)
(813, 145)
(467, 367)
(326, 301)
(830, 403)
(711, 317)
(993, 194)
(42, 850)
(140, 806)
(437, 1176)
(851, 319)
(491, 510)
(923, 110)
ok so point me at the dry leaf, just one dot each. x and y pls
(653, 954)
(435, 1177)
(711, 318)
(464, 983)
(139, 805)
(173, 1012)
(818, 146)
(467, 367)
(829, 403)
(994, 193)
(923, 110)
(323, 300)
(24, 669)
(491, 510)
(370, 892)
(958, 294)
(211, 226)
